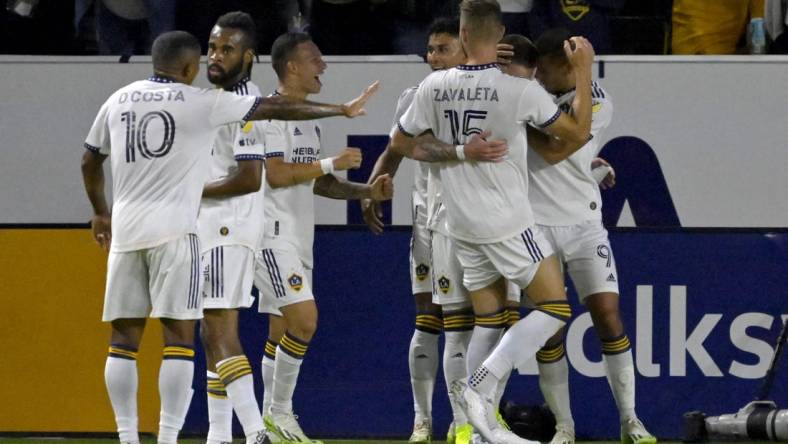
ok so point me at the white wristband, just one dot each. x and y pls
(460, 150)
(327, 165)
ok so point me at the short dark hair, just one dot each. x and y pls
(445, 25)
(551, 43)
(243, 22)
(283, 48)
(171, 49)
(525, 53)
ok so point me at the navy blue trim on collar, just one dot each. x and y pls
(161, 79)
(478, 67)
(240, 86)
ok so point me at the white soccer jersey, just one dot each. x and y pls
(485, 202)
(566, 193)
(158, 134)
(236, 220)
(421, 170)
(290, 211)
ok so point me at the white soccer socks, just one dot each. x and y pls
(423, 362)
(120, 376)
(175, 389)
(554, 383)
(617, 354)
(236, 376)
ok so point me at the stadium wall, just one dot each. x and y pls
(696, 143)
(712, 127)
(702, 308)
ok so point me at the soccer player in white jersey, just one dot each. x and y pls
(158, 132)
(229, 226)
(567, 207)
(487, 215)
(295, 172)
(430, 290)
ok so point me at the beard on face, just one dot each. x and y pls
(224, 75)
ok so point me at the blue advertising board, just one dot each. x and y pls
(702, 309)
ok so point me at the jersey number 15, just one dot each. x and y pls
(467, 128)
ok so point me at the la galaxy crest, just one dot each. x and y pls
(421, 271)
(296, 282)
(575, 9)
(444, 284)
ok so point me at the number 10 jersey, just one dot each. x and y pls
(158, 135)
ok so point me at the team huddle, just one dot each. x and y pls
(213, 192)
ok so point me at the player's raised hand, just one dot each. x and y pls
(373, 215)
(579, 52)
(382, 188)
(349, 158)
(101, 225)
(355, 107)
(505, 53)
(480, 149)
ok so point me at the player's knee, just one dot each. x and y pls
(556, 340)
(427, 307)
(607, 323)
(304, 328)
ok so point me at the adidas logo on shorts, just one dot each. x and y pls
(611, 278)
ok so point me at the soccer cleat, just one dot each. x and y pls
(285, 427)
(563, 435)
(502, 422)
(451, 435)
(463, 434)
(480, 413)
(634, 432)
(260, 438)
(422, 432)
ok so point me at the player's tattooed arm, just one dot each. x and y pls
(427, 148)
(287, 108)
(93, 177)
(244, 179)
(333, 187)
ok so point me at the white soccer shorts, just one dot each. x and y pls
(447, 273)
(585, 249)
(420, 265)
(282, 280)
(158, 282)
(516, 259)
(227, 271)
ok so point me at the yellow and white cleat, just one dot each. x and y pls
(285, 427)
(634, 432)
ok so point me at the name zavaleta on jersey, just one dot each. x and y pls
(290, 210)
(158, 135)
(237, 220)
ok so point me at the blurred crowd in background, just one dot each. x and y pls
(379, 27)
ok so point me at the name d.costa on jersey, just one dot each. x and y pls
(151, 96)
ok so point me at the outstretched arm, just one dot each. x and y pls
(286, 108)
(93, 177)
